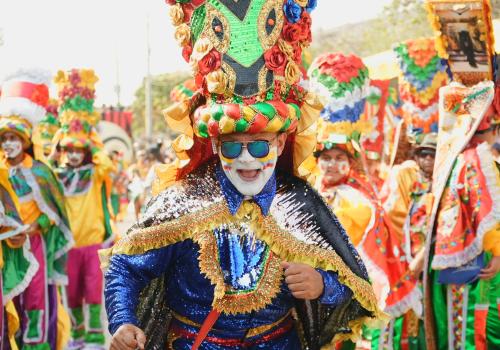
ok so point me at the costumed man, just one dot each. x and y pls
(45, 131)
(84, 174)
(462, 282)
(406, 194)
(344, 81)
(17, 263)
(22, 105)
(236, 252)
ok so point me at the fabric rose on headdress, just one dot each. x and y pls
(293, 11)
(276, 60)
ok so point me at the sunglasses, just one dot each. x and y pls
(426, 153)
(257, 149)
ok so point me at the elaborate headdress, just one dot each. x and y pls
(24, 96)
(46, 129)
(246, 59)
(423, 73)
(465, 37)
(344, 82)
(76, 110)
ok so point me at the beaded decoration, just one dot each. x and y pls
(77, 116)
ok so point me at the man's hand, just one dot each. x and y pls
(303, 281)
(18, 240)
(33, 229)
(491, 270)
(128, 337)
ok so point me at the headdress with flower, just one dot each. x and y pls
(46, 129)
(24, 96)
(423, 73)
(245, 57)
(77, 116)
(343, 81)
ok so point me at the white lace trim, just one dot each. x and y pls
(490, 221)
(30, 273)
(413, 301)
(30, 179)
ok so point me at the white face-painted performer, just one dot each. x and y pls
(250, 160)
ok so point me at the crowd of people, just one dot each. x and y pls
(308, 206)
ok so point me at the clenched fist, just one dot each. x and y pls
(128, 337)
(303, 280)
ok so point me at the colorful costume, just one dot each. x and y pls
(406, 195)
(23, 101)
(465, 220)
(344, 81)
(86, 190)
(203, 253)
(17, 263)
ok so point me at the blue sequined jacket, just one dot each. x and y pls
(212, 248)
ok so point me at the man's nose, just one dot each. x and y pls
(245, 156)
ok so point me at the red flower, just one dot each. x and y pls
(186, 52)
(188, 10)
(292, 32)
(210, 63)
(275, 60)
(343, 68)
(305, 26)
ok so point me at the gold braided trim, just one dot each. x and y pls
(283, 245)
(252, 332)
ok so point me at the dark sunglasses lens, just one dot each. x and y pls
(426, 153)
(231, 150)
(258, 149)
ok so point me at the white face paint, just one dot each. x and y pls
(248, 174)
(75, 158)
(334, 165)
(12, 148)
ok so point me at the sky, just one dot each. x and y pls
(110, 37)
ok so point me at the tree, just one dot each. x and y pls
(399, 21)
(160, 89)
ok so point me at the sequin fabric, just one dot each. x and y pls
(172, 275)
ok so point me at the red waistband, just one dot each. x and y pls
(283, 328)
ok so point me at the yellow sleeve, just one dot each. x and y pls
(103, 165)
(491, 241)
(354, 218)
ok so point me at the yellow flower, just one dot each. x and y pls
(201, 48)
(88, 78)
(176, 14)
(217, 82)
(292, 73)
(61, 78)
(183, 34)
(302, 3)
(286, 48)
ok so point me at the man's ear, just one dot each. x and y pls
(281, 142)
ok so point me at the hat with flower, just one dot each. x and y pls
(343, 81)
(24, 96)
(245, 58)
(77, 116)
(45, 130)
(423, 73)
